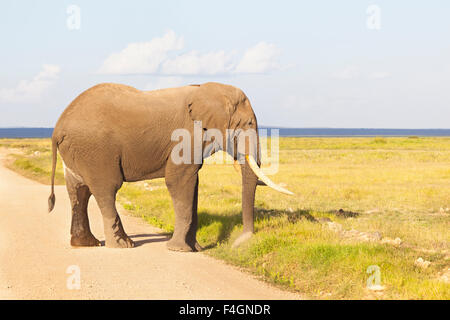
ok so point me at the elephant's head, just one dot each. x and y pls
(227, 115)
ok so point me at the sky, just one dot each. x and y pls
(341, 64)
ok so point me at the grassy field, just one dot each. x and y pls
(389, 187)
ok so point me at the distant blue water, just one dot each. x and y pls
(359, 132)
(26, 132)
(284, 132)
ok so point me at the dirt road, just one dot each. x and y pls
(37, 262)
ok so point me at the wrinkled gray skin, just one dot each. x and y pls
(113, 133)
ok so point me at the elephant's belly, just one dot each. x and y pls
(145, 176)
(142, 167)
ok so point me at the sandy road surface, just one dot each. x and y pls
(35, 255)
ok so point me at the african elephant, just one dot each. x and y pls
(113, 133)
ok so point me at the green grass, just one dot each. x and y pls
(32, 158)
(399, 186)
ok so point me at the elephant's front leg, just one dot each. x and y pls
(182, 183)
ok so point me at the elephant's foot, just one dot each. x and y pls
(182, 246)
(119, 241)
(244, 237)
(84, 240)
(198, 247)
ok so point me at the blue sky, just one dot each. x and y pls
(302, 63)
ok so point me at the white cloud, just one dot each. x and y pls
(259, 59)
(142, 57)
(153, 58)
(164, 82)
(194, 63)
(31, 90)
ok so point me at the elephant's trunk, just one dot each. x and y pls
(249, 180)
(252, 176)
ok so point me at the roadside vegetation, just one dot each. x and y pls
(359, 202)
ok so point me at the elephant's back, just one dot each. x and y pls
(113, 107)
(99, 101)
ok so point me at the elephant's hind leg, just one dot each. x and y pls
(102, 174)
(79, 194)
(115, 236)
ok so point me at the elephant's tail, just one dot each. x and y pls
(52, 199)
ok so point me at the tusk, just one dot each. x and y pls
(257, 170)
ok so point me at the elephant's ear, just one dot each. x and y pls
(211, 104)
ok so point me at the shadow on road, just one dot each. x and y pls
(146, 238)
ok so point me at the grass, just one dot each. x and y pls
(32, 159)
(399, 186)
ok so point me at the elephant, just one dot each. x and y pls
(114, 133)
